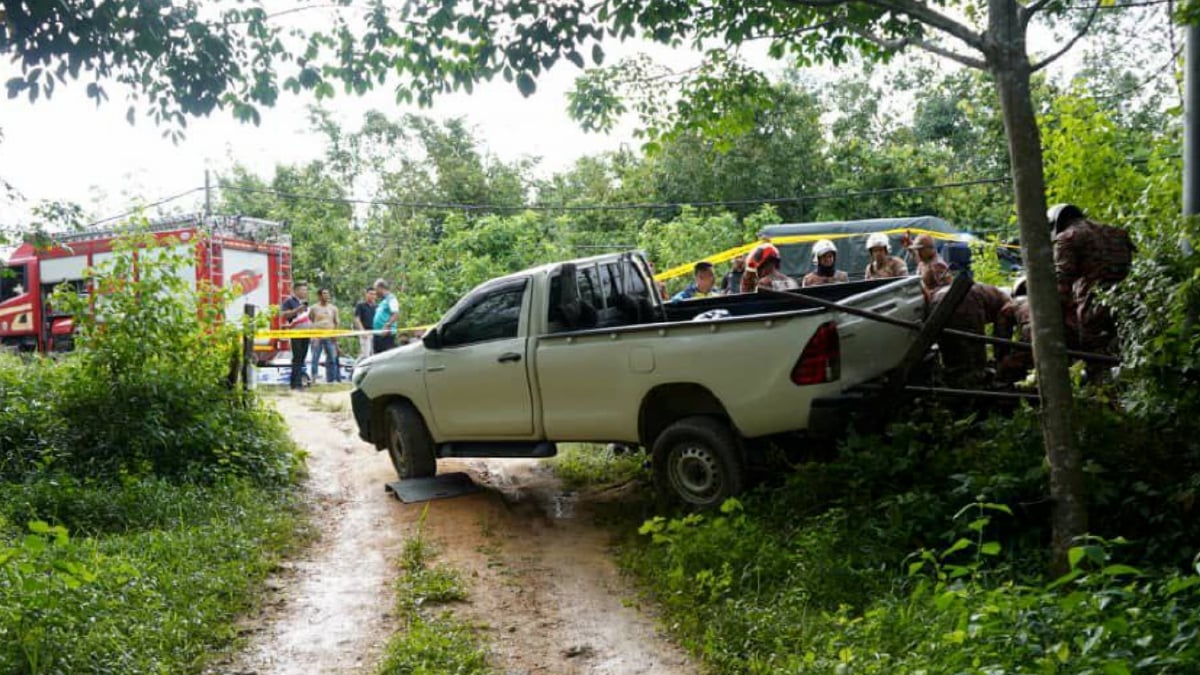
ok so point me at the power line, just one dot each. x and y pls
(453, 206)
(447, 206)
(164, 200)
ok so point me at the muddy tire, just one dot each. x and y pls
(408, 442)
(698, 461)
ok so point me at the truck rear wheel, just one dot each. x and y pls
(698, 461)
(408, 442)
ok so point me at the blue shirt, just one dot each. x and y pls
(689, 293)
(387, 308)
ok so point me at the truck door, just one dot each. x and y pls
(477, 378)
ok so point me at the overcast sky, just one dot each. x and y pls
(67, 148)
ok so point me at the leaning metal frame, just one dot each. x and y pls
(243, 227)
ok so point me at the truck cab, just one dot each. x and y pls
(20, 320)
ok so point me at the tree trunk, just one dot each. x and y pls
(1009, 65)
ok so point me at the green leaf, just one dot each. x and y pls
(990, 548)
(956, 547)
(526, 84)
(597, 54)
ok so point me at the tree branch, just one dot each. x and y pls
(917, 11)
(895, 45)
(1026, 13)
(1087, 26)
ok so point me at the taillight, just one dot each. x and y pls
(821, 360)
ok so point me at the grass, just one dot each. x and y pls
(144, 577)
(581, 465)
(338, 404)
(432, 641)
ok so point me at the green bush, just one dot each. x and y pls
(157, 593)
(810, 575)
(147, 392)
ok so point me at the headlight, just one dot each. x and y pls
(359, 373)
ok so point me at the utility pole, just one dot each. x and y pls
(207, 195)
(1191, 125)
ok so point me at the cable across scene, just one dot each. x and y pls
(454, 206)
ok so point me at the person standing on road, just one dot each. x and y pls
(934, 271)
(731, 283)
(825, 258)
(294, 310)
(882, 265)
(325, 317)
(364, 319)
(387, 314)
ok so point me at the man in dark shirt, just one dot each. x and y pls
(364, 319)
(731, 284)
(294, 311)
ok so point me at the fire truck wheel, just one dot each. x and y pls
(408, 442)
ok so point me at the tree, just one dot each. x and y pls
(440, 47)
(174, 58)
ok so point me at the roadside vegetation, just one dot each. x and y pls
(142, 499)
(431, 640)
(587, 464)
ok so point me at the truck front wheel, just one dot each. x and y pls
(408, 442)
(698, 460)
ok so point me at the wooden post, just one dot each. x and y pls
(248, 312)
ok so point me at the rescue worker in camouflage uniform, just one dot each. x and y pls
(764, 262)
(934, 271)
(825, 258)
(1088, 257)
(965, 360)
(1014, 365)
(882, 265)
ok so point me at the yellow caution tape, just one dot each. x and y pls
(325, 333)
(730, 254)
(672, 273)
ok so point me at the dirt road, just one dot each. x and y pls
(542, 584)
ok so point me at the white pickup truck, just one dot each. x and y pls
(585, 351)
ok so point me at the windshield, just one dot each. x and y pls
(12, 282)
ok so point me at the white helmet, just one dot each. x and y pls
(821, 248)
(878, 239)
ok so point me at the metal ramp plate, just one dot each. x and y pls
(443, 486)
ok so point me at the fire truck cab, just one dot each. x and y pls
(251, 255)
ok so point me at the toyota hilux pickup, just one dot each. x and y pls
(586, 351)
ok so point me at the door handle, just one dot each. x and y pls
(510, 356)
(435, 369)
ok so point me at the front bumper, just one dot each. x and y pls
(361, 405)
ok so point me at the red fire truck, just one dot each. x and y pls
(250, 255)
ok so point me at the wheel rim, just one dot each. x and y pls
(399, 459)
(695, 474)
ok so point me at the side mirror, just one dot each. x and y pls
(432, 339)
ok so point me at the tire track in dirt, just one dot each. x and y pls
(330, 609)
(543, 589)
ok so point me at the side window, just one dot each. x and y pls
(636, 285)
(589, 286)
(494, 316)
(555, 314)
(610, 281)
(12, 282)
